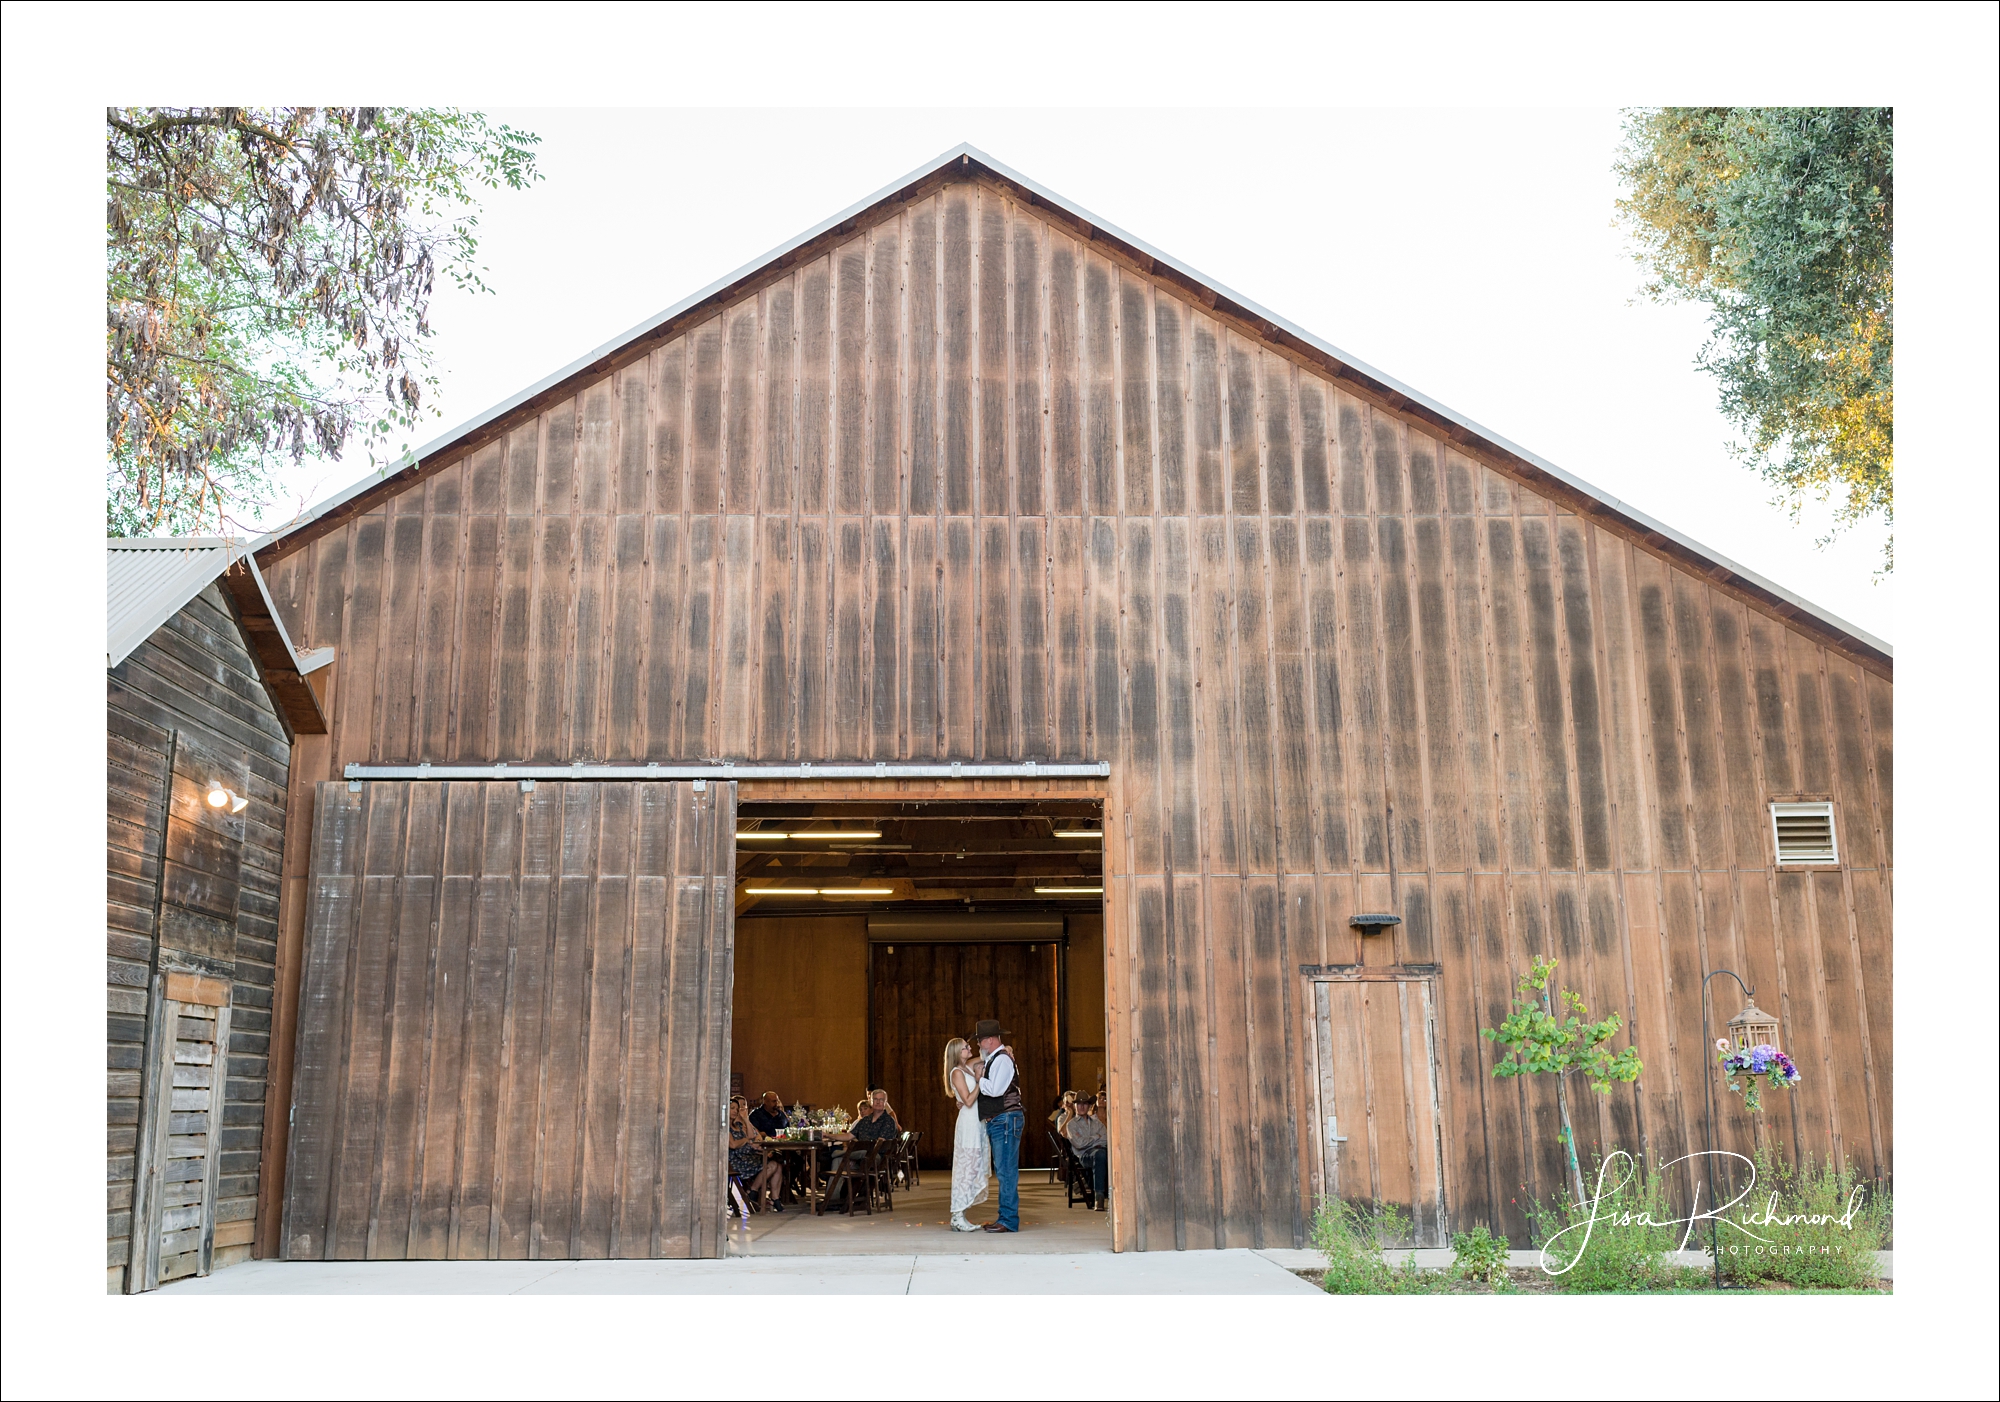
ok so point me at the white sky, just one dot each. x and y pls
(1470, 255)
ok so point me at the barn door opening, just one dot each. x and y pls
(1380, 1134)
(513, 1022)
(870, 933)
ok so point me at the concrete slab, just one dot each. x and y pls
(1237, 1272)
(919, 1224)
(1087, 1273)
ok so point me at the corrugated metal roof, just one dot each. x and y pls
(151, 579)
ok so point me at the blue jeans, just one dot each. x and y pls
(1003, 1133)
(1099, 1163)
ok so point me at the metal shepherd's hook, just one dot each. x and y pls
(1708, 1086)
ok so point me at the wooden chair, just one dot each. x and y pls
(857, 1171)
(1075, 1176)
(912, 1139)
(883, 1156)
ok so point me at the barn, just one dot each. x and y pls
(966, 603)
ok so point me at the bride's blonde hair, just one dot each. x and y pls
(954, 1050)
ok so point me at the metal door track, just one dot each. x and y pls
(355, 774)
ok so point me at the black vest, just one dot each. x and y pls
(991, 1106)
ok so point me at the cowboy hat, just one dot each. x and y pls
(988, 1027)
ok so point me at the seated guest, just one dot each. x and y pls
(760, 1178)
(1086, 1136)
(769, 1116)
(1065, 1107)
(875, 1120)
(877, 1113)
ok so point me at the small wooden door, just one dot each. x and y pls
(513, 1023)
(1381, 1137)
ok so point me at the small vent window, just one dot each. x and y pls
(1805, 833)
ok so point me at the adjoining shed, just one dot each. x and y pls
(964, 496)
(204, 696)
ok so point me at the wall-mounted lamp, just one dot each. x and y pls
(219, 797)
(1373, 924)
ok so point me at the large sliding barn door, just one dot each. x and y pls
(1380, 1133)
(513, 1023)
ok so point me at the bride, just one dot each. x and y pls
(969, 1152)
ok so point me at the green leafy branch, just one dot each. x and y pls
(1549, 1032)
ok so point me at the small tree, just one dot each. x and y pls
(1538, 1042)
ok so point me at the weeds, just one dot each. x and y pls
(1619, 1243)
(1351, 1237)
(1479, 1255)
(1811, 1226)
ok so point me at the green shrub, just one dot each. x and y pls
(1351, 1237)
(1628, 1244)
(1479, 1255)
(1836, 1225)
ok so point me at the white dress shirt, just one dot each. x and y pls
(997, 1075)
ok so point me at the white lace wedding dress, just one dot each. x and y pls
(971, 1159)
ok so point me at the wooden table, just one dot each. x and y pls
(811, 1148)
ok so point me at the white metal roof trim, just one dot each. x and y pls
(1041, 192)
(149, 581)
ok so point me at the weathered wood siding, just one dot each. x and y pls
(962, 485)
(193, 676)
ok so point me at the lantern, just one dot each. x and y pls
(1753, 1027)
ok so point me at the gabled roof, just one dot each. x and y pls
(1480, 443)
(150, 579)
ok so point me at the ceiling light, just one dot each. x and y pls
(763, 836)
(858, 891)
(843, 836)
(1069, 890)
(782, 891)
(1079, 832)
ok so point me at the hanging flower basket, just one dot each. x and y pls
(1743, 1066)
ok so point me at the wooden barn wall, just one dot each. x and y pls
(195, 676)
(964, 487)
(800, 1025)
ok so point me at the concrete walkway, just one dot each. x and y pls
(1087, 1273)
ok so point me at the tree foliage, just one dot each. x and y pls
(269, 276)
(1539, 1042)
(1781, 221)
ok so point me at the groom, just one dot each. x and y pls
(1001, 1112)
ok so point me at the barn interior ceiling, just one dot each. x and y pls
(936, 855)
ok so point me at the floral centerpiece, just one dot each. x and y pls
(1748, 1063)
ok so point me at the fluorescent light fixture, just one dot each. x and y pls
(782, 891)
(1079, 832)
(762, 836)
(849, 836)
(858, 891)
(1069, 890)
